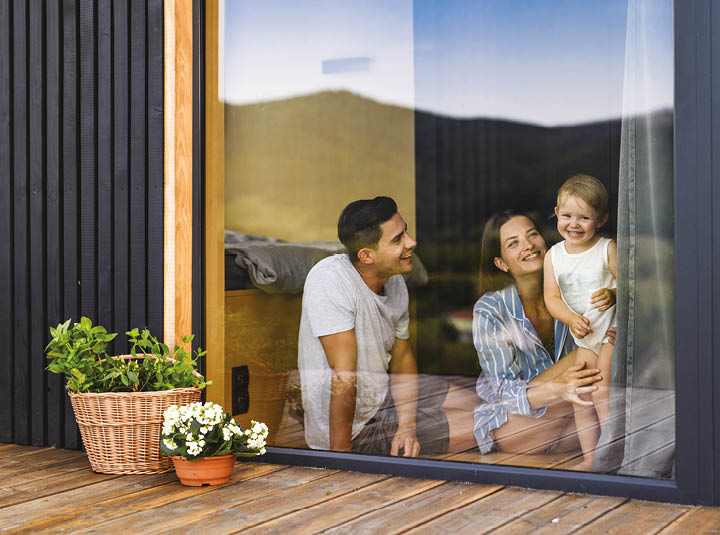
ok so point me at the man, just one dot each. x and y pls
(353, 331)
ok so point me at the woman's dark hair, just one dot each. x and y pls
(359, 223)
(491, 278)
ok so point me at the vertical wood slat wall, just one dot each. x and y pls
(81, 190)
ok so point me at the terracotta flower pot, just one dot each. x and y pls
(205, 471)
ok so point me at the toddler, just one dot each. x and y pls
(579, 290)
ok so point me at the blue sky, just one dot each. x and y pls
(540, 61)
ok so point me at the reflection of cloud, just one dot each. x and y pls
(340, 65)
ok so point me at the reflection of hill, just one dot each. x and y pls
(292, 165)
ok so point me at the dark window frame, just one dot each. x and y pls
(697, 297)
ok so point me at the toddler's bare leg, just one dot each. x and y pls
(586, 419)
(601, 397)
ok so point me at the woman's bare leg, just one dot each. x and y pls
(525, 435)
(459, 405)
(601, 397)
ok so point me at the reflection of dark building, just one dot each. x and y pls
(467, 169)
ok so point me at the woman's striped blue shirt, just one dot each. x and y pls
(510, 354)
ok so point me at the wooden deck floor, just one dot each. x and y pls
(47, 490)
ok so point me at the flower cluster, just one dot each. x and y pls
(205, 430)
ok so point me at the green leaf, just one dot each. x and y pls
(85, 323)
(124, 380)
(133, 377)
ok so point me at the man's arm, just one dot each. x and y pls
(341, 352)
(403, 377)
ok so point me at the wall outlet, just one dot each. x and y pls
(240, 394)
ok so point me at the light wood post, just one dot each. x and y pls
(220, 390)
(178, 170)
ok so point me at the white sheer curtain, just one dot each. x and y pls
(639, 437)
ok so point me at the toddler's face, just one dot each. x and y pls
(577, 221)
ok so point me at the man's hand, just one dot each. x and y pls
(404, 389)
(603, 298)
(405, 443)
(580, 326)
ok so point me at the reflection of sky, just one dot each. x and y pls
(540, 61)
(276, 49)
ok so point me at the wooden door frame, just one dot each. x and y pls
(178, 194)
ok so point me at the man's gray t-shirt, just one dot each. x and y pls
(336, 299)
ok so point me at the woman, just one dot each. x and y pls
(529, 379)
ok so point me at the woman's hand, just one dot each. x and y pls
(603, 298)
(575, 381)
(580, 326)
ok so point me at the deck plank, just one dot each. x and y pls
(399, 516)
(166, 491)
(33, 490)
(564, 515)
(636, 517)
(29, 454)
(335, 511)
(698, 521)
(47, 461)
(488, 514)
(177, 515)
(320, 485)
(35, 473)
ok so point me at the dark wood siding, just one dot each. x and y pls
(81, 190)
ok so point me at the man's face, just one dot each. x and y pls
(394, 250)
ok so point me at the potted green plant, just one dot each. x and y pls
(119, 401)
(203, 442)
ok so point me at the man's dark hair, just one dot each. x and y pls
(359, 223)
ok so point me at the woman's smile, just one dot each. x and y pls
(522, 247)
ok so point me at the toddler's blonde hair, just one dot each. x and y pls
(585, 187)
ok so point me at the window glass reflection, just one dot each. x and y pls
(469, 115)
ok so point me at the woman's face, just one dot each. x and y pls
(522, 247)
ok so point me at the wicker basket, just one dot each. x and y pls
(267, 393)
(121, 431)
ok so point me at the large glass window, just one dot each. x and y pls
(528, 148)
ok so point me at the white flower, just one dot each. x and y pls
(169, 444)
(189, 436)
(257, 427)
(227, 433)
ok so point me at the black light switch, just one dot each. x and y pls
(240, 394)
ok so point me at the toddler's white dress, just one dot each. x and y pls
(578, 276)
